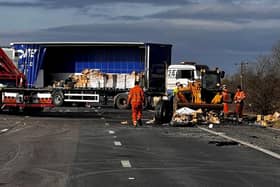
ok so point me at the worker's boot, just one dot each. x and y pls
(135, 123)
(139, 122)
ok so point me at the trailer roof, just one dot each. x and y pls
(89, 43)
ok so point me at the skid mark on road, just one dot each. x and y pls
(268, 152)
(10, 162)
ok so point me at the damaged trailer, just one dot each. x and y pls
(46, 63)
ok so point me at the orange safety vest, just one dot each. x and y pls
(136, 95)
(226, 96)
(239, 96)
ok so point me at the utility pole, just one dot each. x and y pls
(242, 73)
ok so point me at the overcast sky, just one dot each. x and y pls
(214, 32)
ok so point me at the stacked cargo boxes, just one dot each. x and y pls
(95, 79)
(90, 78)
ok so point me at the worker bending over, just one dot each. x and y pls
(136, 99)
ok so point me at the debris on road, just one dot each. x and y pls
(271, 120)
(213, 117)
(124, 122)
(4, 130)
(150, 122)
(186, 116)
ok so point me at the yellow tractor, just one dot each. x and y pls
(202, 94)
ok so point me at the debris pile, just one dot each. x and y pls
(212, 117)
(271, 120)
(185, 116)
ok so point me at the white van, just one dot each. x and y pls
(184, 73)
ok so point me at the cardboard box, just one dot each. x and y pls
(121, 80)
(111, 80)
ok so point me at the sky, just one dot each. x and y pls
(219, 33)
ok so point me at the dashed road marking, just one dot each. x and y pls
(4, 130)
(268, 152)
(102, 118)
(125, 163)
(111, 132)
(117, 143)
(107, 124)
(131, 178)
(115, 137)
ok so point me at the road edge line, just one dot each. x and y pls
(268, 152)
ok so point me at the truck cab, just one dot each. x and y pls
(184, 72)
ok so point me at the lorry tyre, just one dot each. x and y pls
(58, 98)
(121, 101)
(162, 112)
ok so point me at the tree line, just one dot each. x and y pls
(261, 82)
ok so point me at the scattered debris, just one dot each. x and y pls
(124, 122)
(150, 122)
(271, 120)
(186, 116)
(213, 117)
(4, 130)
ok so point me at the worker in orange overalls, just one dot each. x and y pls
(239, 98)
(226, 99)
(136, 99)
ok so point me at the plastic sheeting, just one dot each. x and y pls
(30, 60)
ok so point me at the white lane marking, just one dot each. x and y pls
(111, 132)
(273, 128)
(115, 137)
(125, 163)
(117, 143)
(131, 178)
(107, 124)
(268, 152)
(4, 130)
(102, 118)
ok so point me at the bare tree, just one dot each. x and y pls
(276, 54)
(262, 86)
(262, 83)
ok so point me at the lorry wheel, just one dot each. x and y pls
(121, 101)
(58, 98)
(163, 112)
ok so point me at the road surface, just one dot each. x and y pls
(90, 147)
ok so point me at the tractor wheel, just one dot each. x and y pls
(163, 112)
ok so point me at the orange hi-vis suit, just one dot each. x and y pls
(226, 100)
(136, 99)
(239, 100)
